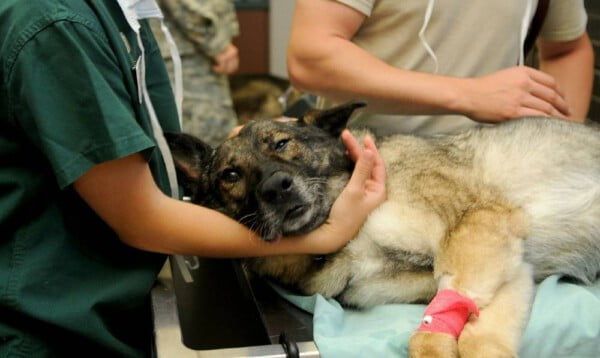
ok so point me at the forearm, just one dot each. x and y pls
(323, 59)
(336, 69)
(321, 68)
(573, 70)
(177, 227)
(123, 193)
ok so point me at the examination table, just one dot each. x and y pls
(213, 308)
(220, 311)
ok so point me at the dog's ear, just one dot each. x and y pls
(192, 160)
(332, 120)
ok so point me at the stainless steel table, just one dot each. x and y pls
(213, 308)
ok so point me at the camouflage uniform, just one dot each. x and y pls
(201, 29)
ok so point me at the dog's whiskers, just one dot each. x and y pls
(248, 218)
(315, 180)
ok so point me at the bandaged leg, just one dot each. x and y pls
(498, 330)
(448, 313)
(482, 254)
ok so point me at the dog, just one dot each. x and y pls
(484, 213)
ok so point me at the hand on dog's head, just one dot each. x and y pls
(297, 159)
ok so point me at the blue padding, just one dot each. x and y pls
(565, 322)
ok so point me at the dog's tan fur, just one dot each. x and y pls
(483, 213)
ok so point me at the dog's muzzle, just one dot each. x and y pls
(277, 189)
(282, 199)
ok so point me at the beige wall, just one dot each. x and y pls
(280, 22)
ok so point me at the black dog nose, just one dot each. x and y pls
(276, 188)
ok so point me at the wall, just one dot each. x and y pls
(280, 20)
(265, 27)
(253, 41)
(593, 7)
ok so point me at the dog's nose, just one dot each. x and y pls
(276, 188)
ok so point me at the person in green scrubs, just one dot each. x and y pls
(86, 216)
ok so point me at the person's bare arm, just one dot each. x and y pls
(571, 63)
(323, 60)
(123, 193)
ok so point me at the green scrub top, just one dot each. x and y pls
(69, 100)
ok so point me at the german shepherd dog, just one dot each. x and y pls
(486, 213)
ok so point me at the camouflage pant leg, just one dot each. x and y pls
(208, 111)
(207, 106)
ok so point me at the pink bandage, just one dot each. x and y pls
(448, 312)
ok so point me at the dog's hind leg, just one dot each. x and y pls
(479, 266)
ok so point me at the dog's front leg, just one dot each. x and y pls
(478, 266)
(498, 329)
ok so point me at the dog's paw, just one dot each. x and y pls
(432, 345)
(477, 346)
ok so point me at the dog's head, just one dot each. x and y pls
(278, 178)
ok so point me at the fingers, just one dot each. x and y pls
(544, 79)
(219, 67)
(364, 192)
(364, 158)
(231, 65)
(352, 147)
(362, 170)
(225, 66)
(378, 172)
(515, 92)
(535, 106)
(372, 161)
(529, 112)
(550, 99)
(227, 61)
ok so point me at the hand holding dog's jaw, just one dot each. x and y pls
(364, 192)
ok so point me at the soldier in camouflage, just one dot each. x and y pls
(203, 31)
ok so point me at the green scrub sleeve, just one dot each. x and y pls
(70, 98)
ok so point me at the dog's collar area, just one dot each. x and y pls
(448, 313)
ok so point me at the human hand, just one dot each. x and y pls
(364, 192)
(367, 183)
(512, 93)
(227, 61)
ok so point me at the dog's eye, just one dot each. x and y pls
(280, 144)
(230, 175)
